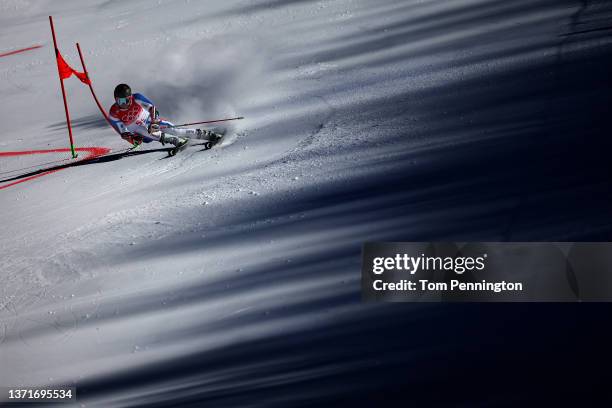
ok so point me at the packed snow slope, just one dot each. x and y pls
(231, 276)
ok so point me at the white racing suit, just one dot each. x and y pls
(136, 119)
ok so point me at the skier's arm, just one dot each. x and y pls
(148, 105)
(124, 132)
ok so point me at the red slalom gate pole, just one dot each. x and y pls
(74, 154)
(93, 93)
(200, 123)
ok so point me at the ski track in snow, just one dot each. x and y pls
(216, 275)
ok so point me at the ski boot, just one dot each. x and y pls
(178, 142)
(207, 134)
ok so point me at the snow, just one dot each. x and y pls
(364, 121)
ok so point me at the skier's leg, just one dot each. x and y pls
(188, 133)
(167, 129)
(160, 136)
(167, 138)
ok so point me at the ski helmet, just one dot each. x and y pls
(123, 91)
(122, 95)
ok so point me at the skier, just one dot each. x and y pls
(137, 120)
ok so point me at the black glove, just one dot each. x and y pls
(153, 127)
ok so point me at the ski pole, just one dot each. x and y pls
(200, 123)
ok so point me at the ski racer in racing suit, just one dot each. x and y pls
(137, 120)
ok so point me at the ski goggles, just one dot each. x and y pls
(123, 101)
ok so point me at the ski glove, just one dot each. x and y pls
(153, 127)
